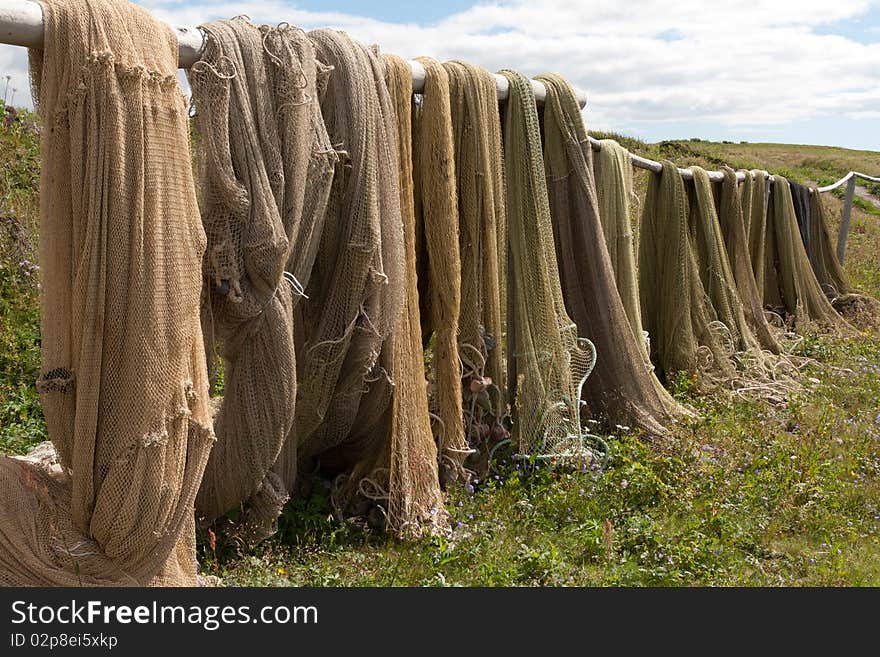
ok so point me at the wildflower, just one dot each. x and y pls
(624, 483)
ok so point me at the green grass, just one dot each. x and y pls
(21, 418)
(751, 494)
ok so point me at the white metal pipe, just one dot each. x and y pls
(21, 24)
(687, 174)
(846, 178)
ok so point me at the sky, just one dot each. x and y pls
(792, 71)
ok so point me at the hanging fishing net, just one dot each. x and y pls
(622, 389)
(790, 286)
(733, 227)
(759, 372)
(356, 292)
(860, 309)
(549, 363)
(479, 172)
(800, 199)
(266, 168)
(614, 189)
(415, 502)
(676, 309)
(716, 274)
(124, 383)
(436, 205)
(754, 198)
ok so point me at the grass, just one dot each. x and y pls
(21, 418)
(751, 494)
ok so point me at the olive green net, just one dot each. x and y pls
(622, 389)
(734, 229)
(858, 308)
(549, 362)
(677, 312)
(790, 287)
(613, 174)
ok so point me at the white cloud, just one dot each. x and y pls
(734, 65)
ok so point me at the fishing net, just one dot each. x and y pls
(415, 501)
(800, 199)
(716, 273)
(356, 291)
(754, 199)
(266, 169)
(826, 266)
(436, 205)
(676, 309)
(549, 363)
(858, 308)
(622, 389)
(759, 372)
(733, 227)
(124, 383)
(479, 171)
(614, 188)
(798, 295)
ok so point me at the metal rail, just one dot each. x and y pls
(687, 174)
(21, 24)
(850, 181)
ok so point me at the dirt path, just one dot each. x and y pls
(865, 195)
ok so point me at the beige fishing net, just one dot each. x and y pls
(479, 171)
(550, 363)
(676, 309)
(356, 292)
(622, 389)
(613, 174)
(124, 382)
(437, 212)
(266, 169)
(829, 272)
(415, 501)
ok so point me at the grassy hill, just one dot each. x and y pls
(750, 494)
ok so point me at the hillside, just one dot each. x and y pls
(751, 494)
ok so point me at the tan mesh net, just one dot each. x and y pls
(415, 501)
(437, 212)
(357, 288)
(755, 198)
(549, 362)
(124, 383)
(266, 166)
(479, 171)
(622, 389)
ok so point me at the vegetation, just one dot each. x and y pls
(21, 418)
(750, 494)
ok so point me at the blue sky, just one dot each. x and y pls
(796, 71)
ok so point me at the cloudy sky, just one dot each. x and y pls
(797, 71)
